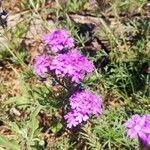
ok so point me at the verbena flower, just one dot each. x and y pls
(148, 4)
(139, 126)
(41, 65)
(72, 64)
(82, 104)
(58, 40)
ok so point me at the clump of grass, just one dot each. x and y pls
(107, 132)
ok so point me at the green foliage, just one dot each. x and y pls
(64, 144)
(72, 5)
(107, 131)
(70, 25)
(14, 52)
(4, 56)
(128, 6)
(56, 126)
(9, 144)
(27, 73)
(19, 30)
(32, 4)
(20, 57)
(27, 132)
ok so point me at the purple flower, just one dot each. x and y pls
(74, 118)
(41, 65)
(139, 126)
(135, 125)
(58, 40)
(82, 104)
(72, 65)
(148, 4)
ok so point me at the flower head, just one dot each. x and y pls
(58, 40)
(41, 65)
(148, 4)
(83, 104)
(139, 126)
(72, 65)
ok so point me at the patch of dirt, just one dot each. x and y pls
(9, 78)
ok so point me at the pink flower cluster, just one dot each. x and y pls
(83, 104)
(139, 126)
(148, 4)
(73, 66)
(41, 65)
(58, 40)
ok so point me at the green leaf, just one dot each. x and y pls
(56, 127)
(34, 123)
(8, 144)
(21, 132)
(19, 30)
(18, 100)
(14, 127)
(25, 88)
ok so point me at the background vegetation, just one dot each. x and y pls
(113, 34)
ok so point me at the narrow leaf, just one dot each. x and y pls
(9, 145)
